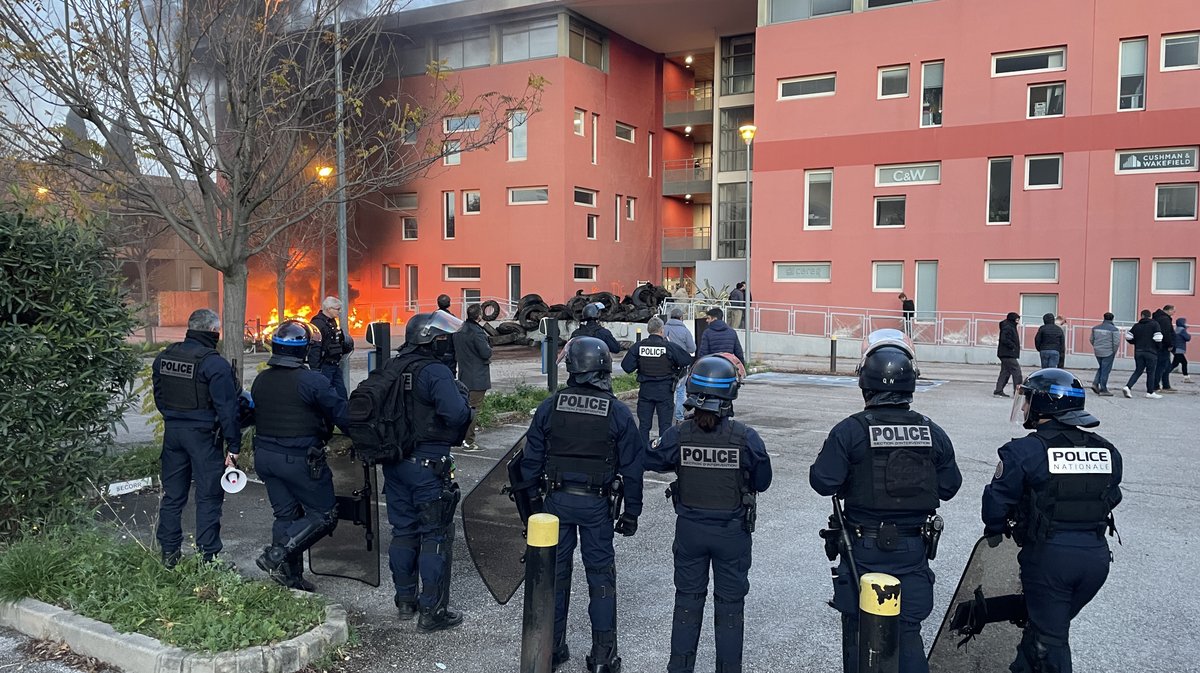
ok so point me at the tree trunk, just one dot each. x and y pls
(148, 312)
(281, 291)
(233, 319)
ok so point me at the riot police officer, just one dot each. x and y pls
(720, 465)
(891, 465)
(591, 327)
(420, 488)
(584, 445)
(1057, 487)
(334, 344)
(295, 411)
(197, 393)
(659, 363)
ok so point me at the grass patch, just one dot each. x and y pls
(525, 398)
(197, 606)
(135, 462)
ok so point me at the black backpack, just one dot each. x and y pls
(380, 410)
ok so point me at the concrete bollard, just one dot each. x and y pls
(833, 353)
(537, 621)
(878, 624)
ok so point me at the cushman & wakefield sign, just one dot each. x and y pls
(1161, 160)
(908, 174)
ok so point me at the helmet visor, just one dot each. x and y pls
(1020, 407)
(443, 322)
(887, 337)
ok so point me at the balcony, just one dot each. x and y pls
(687, 107)
(686, 245)
(687, 176)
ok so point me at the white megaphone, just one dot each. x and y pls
(233, 481)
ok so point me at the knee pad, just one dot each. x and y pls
(728, 614)
(689, 608)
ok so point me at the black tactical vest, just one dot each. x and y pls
(580, 440)
(653, 362)
(177, 384)
(279, 411)
(1076, 494)
(425, 424)
(590, 328)
(710, 474)
(898, 474)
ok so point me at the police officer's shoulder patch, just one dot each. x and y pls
(582, 404)
(999, 469)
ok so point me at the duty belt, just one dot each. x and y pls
(442, 467)
(578, 489)
(873, 531)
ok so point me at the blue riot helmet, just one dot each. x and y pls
(589, 362)
(592, 311)
(1051, 393)
(888, 362)
(713, 385)
(292, 339)
(424, 328)
(245, 409)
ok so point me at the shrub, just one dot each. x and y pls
(65, 366)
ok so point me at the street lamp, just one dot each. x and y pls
(747, 131)
(323, 173)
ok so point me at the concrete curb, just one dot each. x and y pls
(137, 653)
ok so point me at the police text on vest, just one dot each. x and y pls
(582, 404)
(883, 436)
(183, 370)
(652, 351)
(1079, 460)
(728, 458)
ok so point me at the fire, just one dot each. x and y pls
(261, 333)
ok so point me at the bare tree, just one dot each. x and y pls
(238, 97)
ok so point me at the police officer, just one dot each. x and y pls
(1059, 484)
(196, 391)
(326, 357)
(720, 465)
(591, 327)
(585, 446)
(892, 465)
(420, 489)
(295, 411)
(659, 363)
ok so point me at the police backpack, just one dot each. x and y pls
(380, 410)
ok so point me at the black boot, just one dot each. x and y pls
(295, 575)
(276, 556)
(603, 658)
(170, 559)
(439, 620)
(562, 654)
(406, 609)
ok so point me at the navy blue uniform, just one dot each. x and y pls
(1063, 562)
(847, 456)
(196, 391)
(717, 535)
(593, 328)
(421, 495)
(658, 363)
(327, 356)
(580, 500)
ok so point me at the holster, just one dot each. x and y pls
(932, 534)
(616, 498)
(315, 460)
(833, 539)
(750, 504)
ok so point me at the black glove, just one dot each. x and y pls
(626, 525)
(994, 540)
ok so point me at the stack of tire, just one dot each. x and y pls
(639, 306)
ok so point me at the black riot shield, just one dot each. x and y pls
(352, 550)
(984, 622)
(495, 531)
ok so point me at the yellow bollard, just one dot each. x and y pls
(878, 624)
(537, 621)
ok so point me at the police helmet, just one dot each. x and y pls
(245, 409)
(423, 328)
(712, 385)
(587, 354)
(592, 311)
(888, 363)
(292, 338)
(1052, 393)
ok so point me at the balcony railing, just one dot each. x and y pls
(683, 101)
(687, 176)
(686, 244)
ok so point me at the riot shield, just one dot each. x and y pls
(984, 621)
(352, 550)
(494, 530)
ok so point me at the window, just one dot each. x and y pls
(818, 199)
(462, 272)
(413, 301)
(195, 278)
(617, 219)
(525, 195)
(931, 93)
(630, 208)
(807, 87)
(889, 211)
(1043, 172)
(733, 148)
(402, 201)
(1021, 271)
(650, 154)
(731, 220)
(1026, 62)
(410, 132)
(887, 276)
(625, 132)
(737, 65)
(465, 50)
(469, 122)
(1046, 100)
(1174, 276)
(414, 60)
(794, 10)
(529, 39)
(451, 153)
(584, 272)
(1132, 94)
(595, 126)
(470, 296)
(1181, 52)
(578, 122)
(593, 220)
(409, 229)
(585, 197)
(471, 202)
(908, 174)
(1034, 306)
(448, 215)
(586, 45)
(1175, 202)
(999, 190)
(518, 135)
(391, 276)
(802, 272)
(872, 4)
(893, 82)
(514, 284)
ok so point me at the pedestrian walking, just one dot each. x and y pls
(1145, 337)
(718, 337)
(1050, 342)
(474, 352)
(1106, 341)
(1008, 349)
(678, 334)
(737, 303)
(1166, 349)
(1182, 337)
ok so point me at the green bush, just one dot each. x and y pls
(197, 606)
(65, 365)
(525, 398)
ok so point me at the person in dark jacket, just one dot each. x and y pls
(737, 305)
(591, 327)
(474, 352)
(908, 309)
(1050, 342)
(196, 391)
(326, 357)
(1106, 341)
(1145, 337)
(1008, 349)
(718, 337)
(1182, 337)
(1166, 349)
(659, 364)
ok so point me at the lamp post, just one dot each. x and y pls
(748, 131)
(343, 279)
(323, 173)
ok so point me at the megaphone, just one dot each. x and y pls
(233, 481)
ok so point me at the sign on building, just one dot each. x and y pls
(908, 174)
(1162, 160)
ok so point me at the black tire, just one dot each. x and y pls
(528, 300)
(490, 310)
(509, 328)
(502, 339)
(491, 331)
